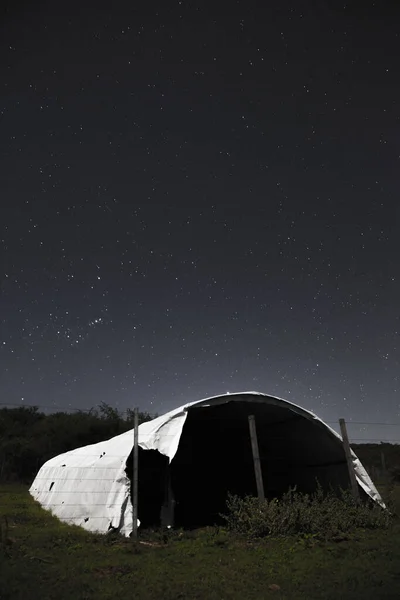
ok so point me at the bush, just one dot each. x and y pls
(324, 515)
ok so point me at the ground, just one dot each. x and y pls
(41, 558)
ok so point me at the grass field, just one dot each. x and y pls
(43, 558)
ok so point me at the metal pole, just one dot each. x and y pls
(349, 459)
(256, 457)
(135, 473)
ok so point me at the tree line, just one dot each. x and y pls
(29, 437)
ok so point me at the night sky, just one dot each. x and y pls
(199, 198)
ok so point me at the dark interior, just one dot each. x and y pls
(152, 479)
(215, 457)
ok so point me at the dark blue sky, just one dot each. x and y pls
(198, 198)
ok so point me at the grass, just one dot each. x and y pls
(43, 558)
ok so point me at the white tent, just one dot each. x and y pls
(205, 445)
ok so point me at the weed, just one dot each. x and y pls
(321, 514)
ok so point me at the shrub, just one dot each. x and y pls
(325, 515)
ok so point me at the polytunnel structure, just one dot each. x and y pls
(190, 458)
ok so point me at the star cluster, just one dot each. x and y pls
(197, 201)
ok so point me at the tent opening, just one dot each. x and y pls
(214, 458)
(152, 482)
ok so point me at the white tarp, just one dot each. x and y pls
(89, 487)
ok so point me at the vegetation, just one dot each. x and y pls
(371, 457)
(41, 558)
(28, 437)
(320, 515)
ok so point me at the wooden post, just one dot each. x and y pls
(256, 457)
(349, 459)
(135, 479)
